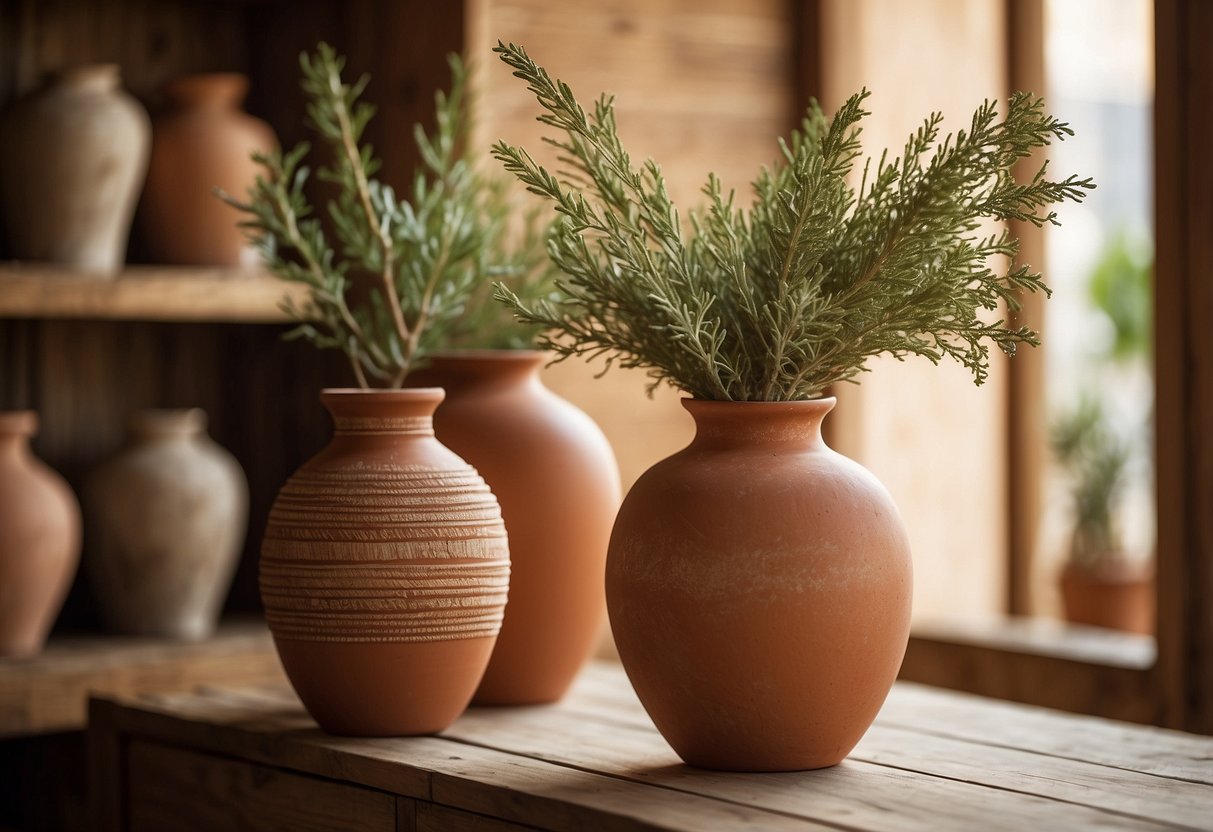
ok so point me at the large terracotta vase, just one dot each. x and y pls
(167, 518)
(201, 142)
(555, 475)
(39, 539)
(72, 159)
(758, 585)
(384, 571)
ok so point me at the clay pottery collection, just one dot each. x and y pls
(72, 160)
(384, 570)
(758, 585)
(1119, 596)
(556, 478)
(39, 539)
(201, 142)
(167, 520)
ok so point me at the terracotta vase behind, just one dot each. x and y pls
(72, 159)
(384, 571)
(167, 518)
(39, 539)
(758, 585)
(202, 142)
(555, 475)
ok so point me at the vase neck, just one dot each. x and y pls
(745, 424)
(477, 368)
(160, 425)
(90, 78)
(16, 428)
(209, 91)
(370, 413)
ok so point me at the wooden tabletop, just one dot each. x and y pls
(934, 760)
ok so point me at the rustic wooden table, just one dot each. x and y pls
(250, 758)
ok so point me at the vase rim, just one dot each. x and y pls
(824, 403)
(183, 421)
(105, 75)
(18, 422)
(227, 89)
(490, 354)
(404, 394)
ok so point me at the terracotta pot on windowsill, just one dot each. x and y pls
(1116, 595)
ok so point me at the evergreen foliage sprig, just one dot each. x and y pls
(780, 301)
(401, 274)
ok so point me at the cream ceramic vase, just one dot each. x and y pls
(39, 539)
(201, 142)
(384, 570)
(72, 160)
(555, 476)
(168, 517)
(758, 585)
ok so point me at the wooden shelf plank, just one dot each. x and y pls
(145, 293)
(49, 692)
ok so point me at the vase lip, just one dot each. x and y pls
(223, 89)
(98, 76)
(491, 354)
(822, 404)
(18, 423)
(381, 394)
(167, 422)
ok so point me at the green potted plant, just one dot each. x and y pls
(393, 281)
(1101, 583)
(758, 584)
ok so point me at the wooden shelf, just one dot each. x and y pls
(49, 692)
(144, 293)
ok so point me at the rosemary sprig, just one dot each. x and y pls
(779, 301)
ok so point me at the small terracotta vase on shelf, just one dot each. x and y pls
(555, 475)
(759, 585)
(201, 142)
(39, 539)
(72, 160)
(167, 521)
(384, 570)
(1118, 595)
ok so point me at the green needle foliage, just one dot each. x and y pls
(402, 275)
(780, 301)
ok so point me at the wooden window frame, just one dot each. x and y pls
(1167, 680)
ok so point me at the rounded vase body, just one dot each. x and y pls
(72, 159)
(556, 478)
(168, 517)
(759, 585)
(384, 571)
(202, 142)
(39, 539)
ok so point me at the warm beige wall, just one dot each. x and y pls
(699, 86)
(933, 438)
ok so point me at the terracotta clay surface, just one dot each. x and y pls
(759, 589)
(72, 160)
(167, 519)
(39, 539)
(1120, 597)
(202, 142)
(384, 570)
(555, 476)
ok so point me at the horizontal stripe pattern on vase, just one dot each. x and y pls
(403, 554)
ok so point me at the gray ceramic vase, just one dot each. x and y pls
(167, 518)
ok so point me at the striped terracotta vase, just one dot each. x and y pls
(384, 571)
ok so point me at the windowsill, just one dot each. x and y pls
(1045, 637)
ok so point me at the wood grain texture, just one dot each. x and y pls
(934, 761)
(228, 794)
(50, 692)
(146, 293)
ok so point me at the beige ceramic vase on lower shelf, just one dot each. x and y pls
(39, 539)
(555, 475)
(167, 522)
(758, 585)
(384, 571)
